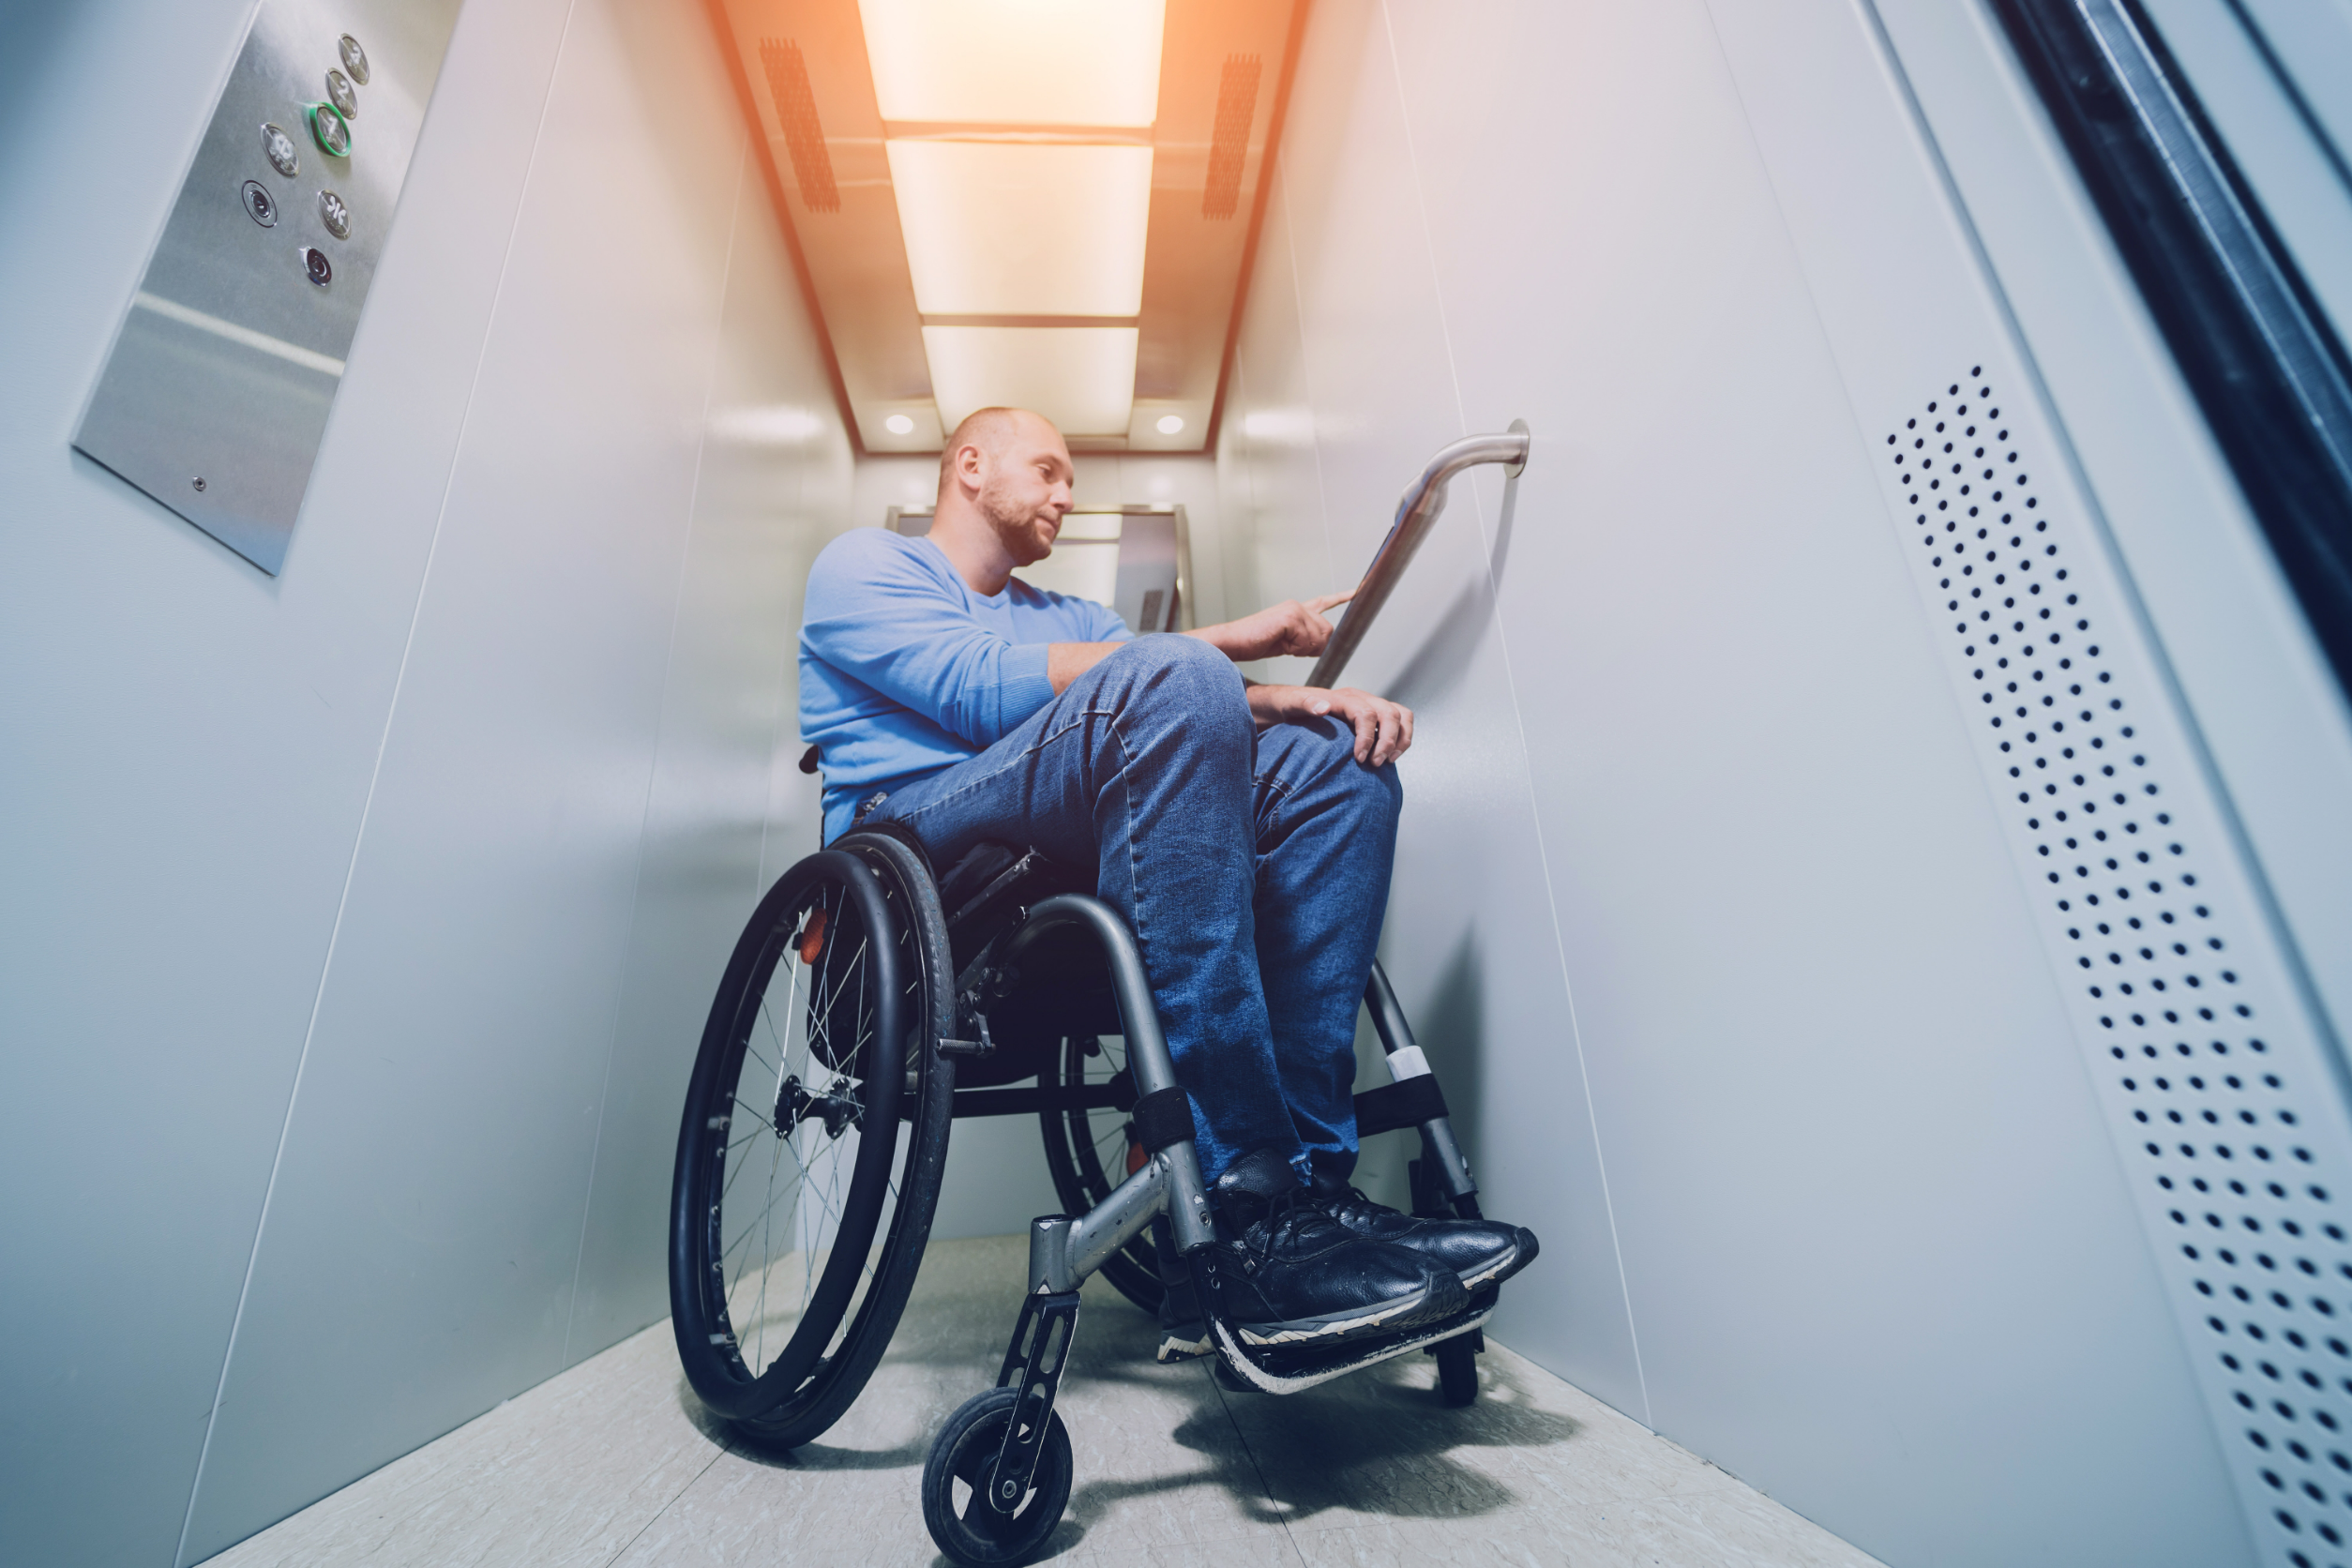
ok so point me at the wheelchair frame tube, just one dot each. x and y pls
(1388, 1022)
(1119, 1218)
(1177, 1186)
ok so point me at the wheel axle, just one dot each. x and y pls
(795, 1105)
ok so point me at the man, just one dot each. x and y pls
(1245, 831)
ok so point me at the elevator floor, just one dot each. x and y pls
(614, 1463)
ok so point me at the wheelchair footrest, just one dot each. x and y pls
(1287, 1370)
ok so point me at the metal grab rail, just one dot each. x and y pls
(1419, 507)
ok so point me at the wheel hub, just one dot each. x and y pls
(795, 1105)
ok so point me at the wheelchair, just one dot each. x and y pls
(868, 1002)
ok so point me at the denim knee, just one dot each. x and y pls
(1183, 673)
(1374, 795)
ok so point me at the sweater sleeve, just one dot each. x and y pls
(875, 613)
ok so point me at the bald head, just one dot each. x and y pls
(1004, 484)
(991, 432)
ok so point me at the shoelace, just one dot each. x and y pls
(1349, 1201)
(1285, 1213)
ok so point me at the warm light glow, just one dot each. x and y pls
(898, 423)
(1171, 424)
(770, 425)
(1082, 378)
(1016, 62)
(1280, 426)
(999, 229)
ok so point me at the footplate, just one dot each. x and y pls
(1286, 1369)
(1034, 1359)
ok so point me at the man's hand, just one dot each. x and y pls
(1287, 627)
(1383, 728)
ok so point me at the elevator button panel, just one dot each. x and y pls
(233, 345)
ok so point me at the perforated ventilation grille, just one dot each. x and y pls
(796, 112)
(2226, 1116)
(1228, 140)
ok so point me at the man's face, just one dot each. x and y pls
(1025, 490)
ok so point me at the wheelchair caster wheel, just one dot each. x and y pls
(1457, 1371)
(961, 1469)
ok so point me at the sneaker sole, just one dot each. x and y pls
(1502, 1268)
(1442, 1299)
(1175, 1347)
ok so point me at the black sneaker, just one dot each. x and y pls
(1288, 1275)
(1479, 1252)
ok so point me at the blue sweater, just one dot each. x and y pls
(905, 671)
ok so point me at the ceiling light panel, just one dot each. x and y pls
(1016, 62)
(1082, 378)
(1018, 229)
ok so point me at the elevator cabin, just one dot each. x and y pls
(1873, 877)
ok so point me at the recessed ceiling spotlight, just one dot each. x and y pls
(1171, 424)
(898, 423)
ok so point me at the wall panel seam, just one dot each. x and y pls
(1307, 373)
(661, 730)
(375, 774)
(1518, 716)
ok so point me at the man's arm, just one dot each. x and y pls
(1287, 627)
(1383, 728)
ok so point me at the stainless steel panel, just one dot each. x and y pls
(216, 395)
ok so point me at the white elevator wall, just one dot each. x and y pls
(509, 740)
(1702, 910)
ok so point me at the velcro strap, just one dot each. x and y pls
(1407, 1103)
(1161, 1118)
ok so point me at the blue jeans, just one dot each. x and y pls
(1252, 865)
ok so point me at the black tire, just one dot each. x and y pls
(972, 1533)
(834, 1022)
(1457, 1371)
(1087, 1152)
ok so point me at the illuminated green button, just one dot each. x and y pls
(330, 129)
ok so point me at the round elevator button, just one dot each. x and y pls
(315, 263)
(260, 206)
(330, 130)
(354, 58)
(280, 148)
(335, 215)
(341, 94)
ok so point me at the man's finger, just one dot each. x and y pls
(1386, 751)
(1405, 743)
(1367, 735)
(1328, 600)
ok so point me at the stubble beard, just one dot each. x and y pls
(1016, 527)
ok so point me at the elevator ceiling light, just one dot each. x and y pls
(898, 423)
(1004, 229)
(1082, 378)
(1171, 424)
(1016, 62)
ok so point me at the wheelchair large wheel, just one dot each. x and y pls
(1087, 1152)
(816, 1125)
